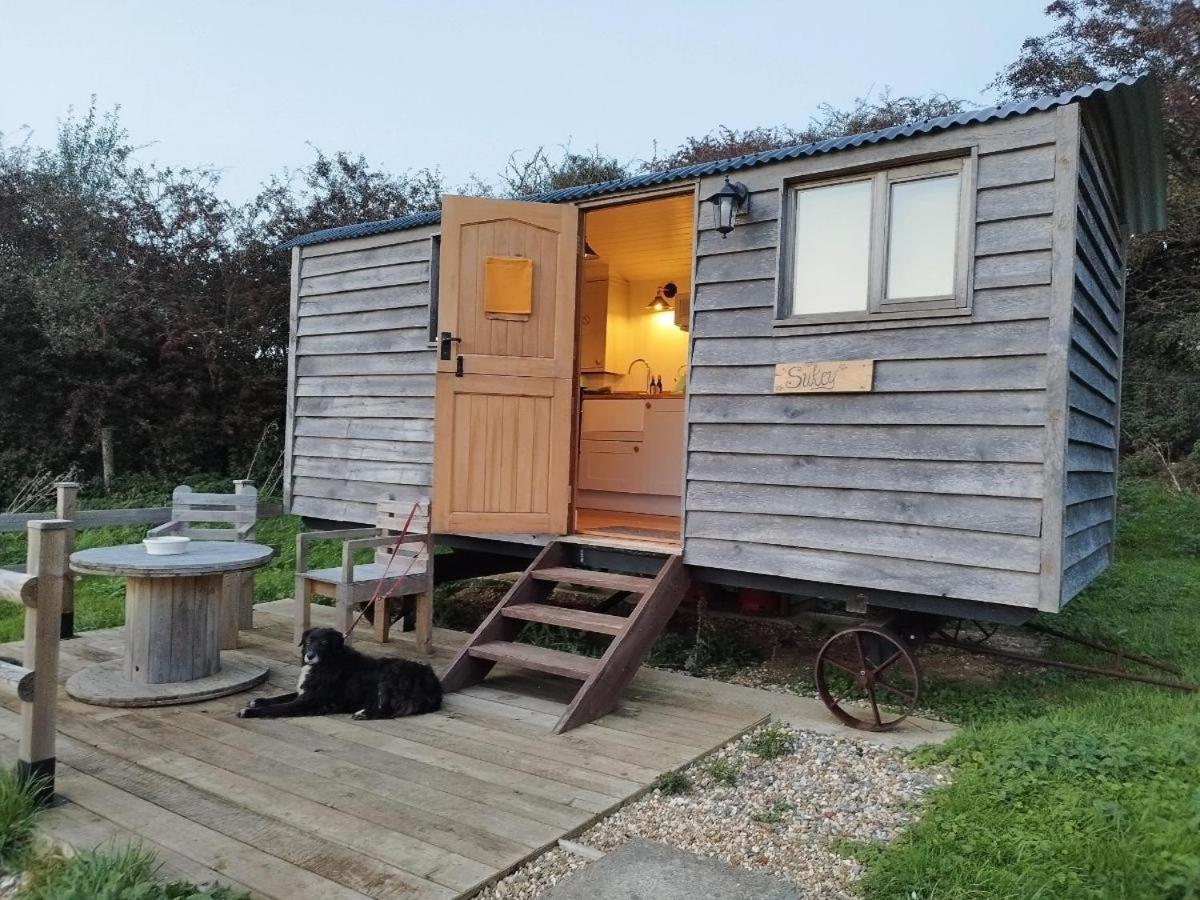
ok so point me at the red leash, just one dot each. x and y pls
(379, 591)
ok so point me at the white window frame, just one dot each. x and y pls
(878, 306)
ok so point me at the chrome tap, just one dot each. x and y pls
(629, 371)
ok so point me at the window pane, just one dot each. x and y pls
(922, 238)
(832, 248)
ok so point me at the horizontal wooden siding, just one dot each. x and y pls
(933, 482)
(1094, 367)
(361, 399)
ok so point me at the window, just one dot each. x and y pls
(891, 242)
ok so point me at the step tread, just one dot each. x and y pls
(579, 619)
(589, 578)
(527, 656)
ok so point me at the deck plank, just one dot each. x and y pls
(426, 807)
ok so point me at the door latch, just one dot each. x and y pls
(445, 340)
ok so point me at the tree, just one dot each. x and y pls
(1103, 39)
(866, 114)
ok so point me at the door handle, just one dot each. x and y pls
(445, 340)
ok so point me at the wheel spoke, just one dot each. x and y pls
(911, 698)
(874, 705)
(849, 670)
(862, 656)
(891, 659)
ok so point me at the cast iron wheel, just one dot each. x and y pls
(867, 665)
(968, 631)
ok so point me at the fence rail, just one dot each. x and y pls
(95, 518)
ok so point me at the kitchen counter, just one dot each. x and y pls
(632, 395)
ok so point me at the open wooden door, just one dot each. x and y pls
(506, 364)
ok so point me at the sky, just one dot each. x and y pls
(249, 87)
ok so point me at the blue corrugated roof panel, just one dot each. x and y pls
(1143, 221)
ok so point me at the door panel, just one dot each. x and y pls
(502, 429)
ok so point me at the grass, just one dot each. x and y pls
(1069, 786)
(128, 873)
(721, 770)
(672, 783)
(771, 741)
(100, 602)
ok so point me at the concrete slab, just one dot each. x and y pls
(643, 870)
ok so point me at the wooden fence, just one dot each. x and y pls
(34, 683)
(95, 518)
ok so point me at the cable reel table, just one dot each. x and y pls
(172, 626)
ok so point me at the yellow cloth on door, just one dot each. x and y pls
(508, 285)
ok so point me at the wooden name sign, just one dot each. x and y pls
(844, 377)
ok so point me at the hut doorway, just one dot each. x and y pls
(633, 310)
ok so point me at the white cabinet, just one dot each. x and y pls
(632, 446)
(603, 322)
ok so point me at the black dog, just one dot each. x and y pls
(338, 679)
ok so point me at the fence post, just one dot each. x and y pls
(47, 559)
(245, 580)
(68, 509)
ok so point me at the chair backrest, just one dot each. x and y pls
(396, 516)
(237, 513)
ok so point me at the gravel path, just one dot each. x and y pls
(778, 815)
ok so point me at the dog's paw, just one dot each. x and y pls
(360, 715)
(246, 712)
(256, 702)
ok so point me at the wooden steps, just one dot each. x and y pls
(540, 659)
(579, 619)
(603, 679)
(589, 578)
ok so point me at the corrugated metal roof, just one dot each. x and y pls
(1132, 103)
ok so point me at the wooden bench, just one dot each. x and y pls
(237, 514)
(407, 573)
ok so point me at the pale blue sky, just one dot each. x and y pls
(243, 85)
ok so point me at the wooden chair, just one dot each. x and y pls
(351, 585)
(238, 514)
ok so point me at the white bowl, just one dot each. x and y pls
(167, 545)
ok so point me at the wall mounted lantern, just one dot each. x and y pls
(726, 204)
(662, 297)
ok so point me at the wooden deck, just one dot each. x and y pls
(429, 807)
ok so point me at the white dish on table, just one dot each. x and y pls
(167, 545)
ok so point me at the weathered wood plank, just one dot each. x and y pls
(366, 407)
(1090, 458)
(1019, 166)
(364, 470)
(1016, 553)
(749, 236)
(746, 266)
(1001, 373)
(334, 510)
(1084, 572)
(1085, 429)
(965, 340)
(929, 408)
(926, 579)
(356, 280)
(1083, 515)
(1082, 544)
(1000, 515)
(923, 476)
(970, 443)
(374, 320)
(387, 255)
(365, 386)
(1013, 269)
(735, 294)
(1014, 202)
(361, 491)
(387, 341)
(1084, 399)
(347, 245)
(400, 430)
(418, 359)
(1013, 235)
(353, 449)
(396, 297)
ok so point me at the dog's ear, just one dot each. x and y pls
(304, 637)
(339, 639)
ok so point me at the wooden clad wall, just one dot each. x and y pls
(360, 397)
(933, 482)
(1094, 366)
